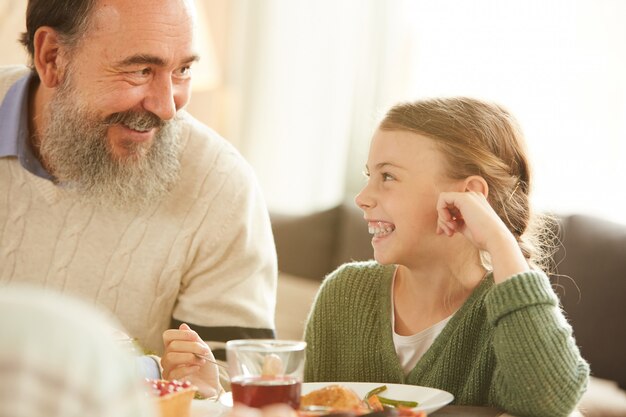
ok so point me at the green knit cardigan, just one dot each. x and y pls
(508, 346)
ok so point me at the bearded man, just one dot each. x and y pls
(111, 192)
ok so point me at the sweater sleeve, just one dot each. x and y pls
(539, 369)
(228, 290)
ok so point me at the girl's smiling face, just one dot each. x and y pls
(406, 173)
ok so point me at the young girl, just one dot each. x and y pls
(455, 298)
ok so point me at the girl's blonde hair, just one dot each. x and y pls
(481, 138)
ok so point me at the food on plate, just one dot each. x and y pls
(173, 397)
(335, 397)
(339, 400)
(377, 402)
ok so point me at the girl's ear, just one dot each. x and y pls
(46, 56)
(477, 184)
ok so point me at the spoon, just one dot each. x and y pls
(208, 359)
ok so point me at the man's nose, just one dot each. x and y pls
(160, 99)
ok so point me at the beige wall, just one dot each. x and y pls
(214, 106)
(12, 18)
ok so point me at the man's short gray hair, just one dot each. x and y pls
(70, 18)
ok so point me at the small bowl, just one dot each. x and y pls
(176, 404)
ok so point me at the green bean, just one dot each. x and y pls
(396, 403)
(375, 391)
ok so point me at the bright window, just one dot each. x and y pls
(318, 75)
(559, 66)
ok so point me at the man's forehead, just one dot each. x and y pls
(143, 27)
(120, 16)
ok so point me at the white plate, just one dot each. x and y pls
(429, 399)
(208, 408)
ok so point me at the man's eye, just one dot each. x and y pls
(144, 72)
(184, 71)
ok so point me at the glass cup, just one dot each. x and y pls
(266, 371)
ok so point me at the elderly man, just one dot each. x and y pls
(111, 192)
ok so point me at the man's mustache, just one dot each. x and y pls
(136, 120)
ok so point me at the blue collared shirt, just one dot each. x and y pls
(14, 135)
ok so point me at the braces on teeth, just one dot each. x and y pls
(380, 230)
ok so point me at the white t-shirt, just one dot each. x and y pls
(410, 349)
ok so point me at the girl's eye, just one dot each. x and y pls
(387, 176)
(366, 174)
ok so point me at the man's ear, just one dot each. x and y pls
(47, 57)
(477, 184)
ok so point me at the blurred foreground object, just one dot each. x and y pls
(57, 358)
(173, 398)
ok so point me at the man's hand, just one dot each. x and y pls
(179, 361)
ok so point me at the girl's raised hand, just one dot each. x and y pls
(470, 214)
(179, 361)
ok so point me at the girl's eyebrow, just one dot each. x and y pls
(381, 165)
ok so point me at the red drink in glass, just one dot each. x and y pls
(259, 391)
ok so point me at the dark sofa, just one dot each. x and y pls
(590, 281)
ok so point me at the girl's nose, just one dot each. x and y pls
(363, 200)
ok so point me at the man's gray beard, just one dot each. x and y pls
(75, 147)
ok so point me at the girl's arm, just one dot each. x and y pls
(539, 369)
(470, 214)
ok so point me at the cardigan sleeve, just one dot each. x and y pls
(539, 370)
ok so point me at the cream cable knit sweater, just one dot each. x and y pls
(204, 255)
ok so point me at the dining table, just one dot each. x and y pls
(467, 411)
(204, 408)
(472, 411)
